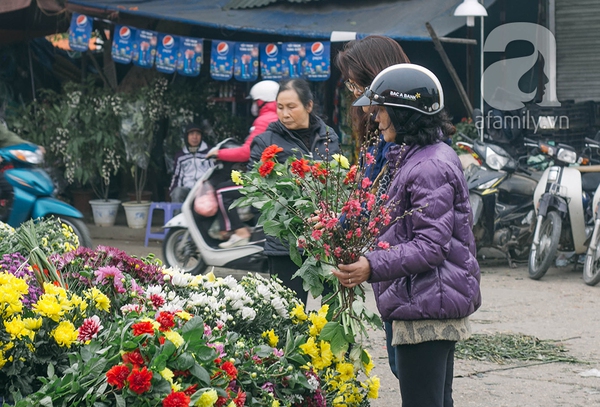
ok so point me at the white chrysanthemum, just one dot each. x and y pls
(280, 306)
(181, 279)
(263, 291)
(248, 314)
(154, 289)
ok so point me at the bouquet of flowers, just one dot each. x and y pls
(331, 212)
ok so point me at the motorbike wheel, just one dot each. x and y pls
(180, 250)
(79, 229)
(591, 267)
(542, 256)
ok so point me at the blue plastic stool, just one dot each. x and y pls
(168, 208)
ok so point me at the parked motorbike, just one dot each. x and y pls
(32, 192)
(192, 246)
(501, 194)
(564, 209)
(591, 266)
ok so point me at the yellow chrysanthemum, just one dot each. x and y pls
(310, 348)
(346, 371)
(48, 306)
(339, 402)
(175, 338)
(186, 316)
(344, 163)
(236, 177)
(275, 403)
(101, 301)
(33, 324)
(210, 277)
(167, 374)
(65, 334)
(2, 360)
(271, 337)
(373, 383)
(207, 399)
(297, 313)
(369, 365)
(325, 358)
(16, 328)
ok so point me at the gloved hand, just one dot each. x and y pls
(213, 152)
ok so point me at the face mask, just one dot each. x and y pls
(254, 109)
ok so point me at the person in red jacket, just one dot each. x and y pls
(264, 108)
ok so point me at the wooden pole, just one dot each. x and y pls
(461, 90)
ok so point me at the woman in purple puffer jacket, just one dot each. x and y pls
(427, 282)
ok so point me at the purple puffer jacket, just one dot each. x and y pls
(430, 270)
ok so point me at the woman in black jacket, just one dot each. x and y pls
(299, 131)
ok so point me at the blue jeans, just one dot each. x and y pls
(391, 350)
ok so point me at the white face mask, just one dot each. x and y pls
(254, 109)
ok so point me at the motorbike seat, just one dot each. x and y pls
(590, 181)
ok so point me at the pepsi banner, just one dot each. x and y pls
(245, 62)
(190, 56)
(317, 66)
(271, 61)
(80, 32)
(144, 48)
(167, 53)
(293, 57)
(221, 60)
(122, 47)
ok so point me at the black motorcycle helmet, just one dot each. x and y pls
(407, 86)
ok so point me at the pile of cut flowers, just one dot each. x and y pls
(108, 329)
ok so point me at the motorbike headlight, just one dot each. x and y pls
(488, 184)
(494, 160)
(566, 156)
(31, 157)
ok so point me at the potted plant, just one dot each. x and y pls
(138, 121)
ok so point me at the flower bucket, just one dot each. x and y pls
(105, 212)
(136, 213)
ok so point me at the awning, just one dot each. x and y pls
(401, 20)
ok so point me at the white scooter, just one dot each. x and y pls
(191, 245)
(591, 266)
(563, 199)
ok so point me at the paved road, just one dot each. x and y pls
(559, 307)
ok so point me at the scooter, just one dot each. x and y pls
(591, 266)
(500, 192)
(564, 207)
(32, 192)
(190, 244)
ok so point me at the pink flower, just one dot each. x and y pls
(349, 235)
(327, 249)
(301, 243)
(369, 158)
(132, 308)
(337, 252)
(358, 232)
(207, 330)
(331, 223)
(103, 274)
(366, 183)
(384, 245)
(89, 329)
(157, 301)
(316, 234)
(352, 208)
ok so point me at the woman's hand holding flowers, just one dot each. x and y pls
(351, 275)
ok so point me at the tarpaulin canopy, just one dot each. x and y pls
(399, 19)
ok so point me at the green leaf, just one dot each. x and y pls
(200, 373)
(333, 332)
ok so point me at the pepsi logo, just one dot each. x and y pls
(168, 41)
(125, 33)
(81, 20)
(222, 48)
(317, 48)
(271, 50)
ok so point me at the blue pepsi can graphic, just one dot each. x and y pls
(122, 46)
(317, 66)
(144, 48)
(167, 53)
(271, 61)
(293, 55)
(190, 56)
(80, 32)
(221, 60)
(245, 61)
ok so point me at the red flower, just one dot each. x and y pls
(366, 183)
(134, 358)
(300, 167)
(89, 329)
(316, 234)
(117, 375)
(141, 328)
(240, 399)
(270, 152)
(139, 380)
(266, 168)
(166, 321)
(221, 401)
(157, 300)
(191, 390)
(177, 399)
(230, 369)
(319, 172)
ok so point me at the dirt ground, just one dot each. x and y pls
(558, 307)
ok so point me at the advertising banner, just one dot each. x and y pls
(167, 53)
(144, 48)
(221, 60)
(122, 47)
(190, 56)
(246, 61)
(271, 61)
(317, 66)
(80, 32)
(293, 57)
